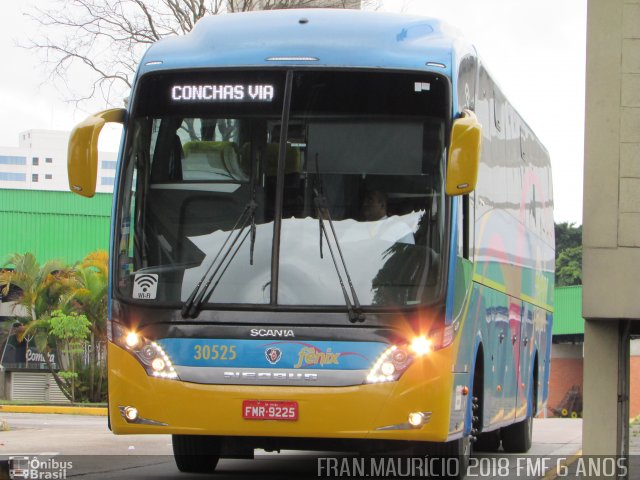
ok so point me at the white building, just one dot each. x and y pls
(39, 162)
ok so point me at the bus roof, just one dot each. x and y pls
(309, 37)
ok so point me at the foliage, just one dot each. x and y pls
(70, 331)
(568, 254)
(106, 38)
(40, 285)
(569, 267)
(567, 236)
(87, 294)
(66, 308)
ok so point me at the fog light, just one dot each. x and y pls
(131, 413)
(158, 364)
(416, 419)
(132, 339)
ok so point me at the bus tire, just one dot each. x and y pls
(516, 438)
(460, 449)
(487, 442)
(196, 453)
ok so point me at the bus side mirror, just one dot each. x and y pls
(464, 154)
(82, 155)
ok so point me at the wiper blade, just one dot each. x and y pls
(354, 309)
(192, 306)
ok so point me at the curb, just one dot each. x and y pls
(553, 475)
(97, 411)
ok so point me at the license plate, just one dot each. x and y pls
(269, 410)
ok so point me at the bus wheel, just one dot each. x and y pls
(516, 438)
(487, 442)
(459, 449)
(196, 453)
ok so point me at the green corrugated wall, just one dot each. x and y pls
(53, 225)
(567, 311)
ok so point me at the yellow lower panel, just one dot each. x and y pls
(324, 412)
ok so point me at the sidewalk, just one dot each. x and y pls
(63, 409)
(634, 438)
(556, 436)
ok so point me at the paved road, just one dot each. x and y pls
(96, 453)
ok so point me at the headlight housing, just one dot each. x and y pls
(149, 354)
(396, 359)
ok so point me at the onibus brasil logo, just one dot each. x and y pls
(40, 469)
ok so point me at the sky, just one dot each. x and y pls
(535, 50)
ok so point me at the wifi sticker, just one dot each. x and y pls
(145, 286)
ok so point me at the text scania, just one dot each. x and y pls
(271, 332)
(222, 93)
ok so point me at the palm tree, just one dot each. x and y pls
(87, 294)
(39, 284)
(41, 287)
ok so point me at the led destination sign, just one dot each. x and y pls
(223, 93)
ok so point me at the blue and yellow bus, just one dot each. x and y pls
(332, 231)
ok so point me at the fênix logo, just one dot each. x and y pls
(38, 468)
(145, 286)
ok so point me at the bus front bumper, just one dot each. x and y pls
(368, 411)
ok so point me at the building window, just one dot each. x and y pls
(13, 177)
(11, 160)
(48, 176)
(48, 160)
(109, 165)
(35, 161)
(34, 177)
(107, 181)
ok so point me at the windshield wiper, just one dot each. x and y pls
(199, 295)
(192, 306)
(354, 309)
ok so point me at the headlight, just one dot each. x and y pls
(132, 339)
(150, 354)
(390, 365)
(421, 346)
(395, 360)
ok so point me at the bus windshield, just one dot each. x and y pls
(361, 175)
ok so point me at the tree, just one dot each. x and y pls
(70, 331)
(39, 285)
(106, 38)
(87, 295)
(568, 254)
(64, 307)
(40, 290)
